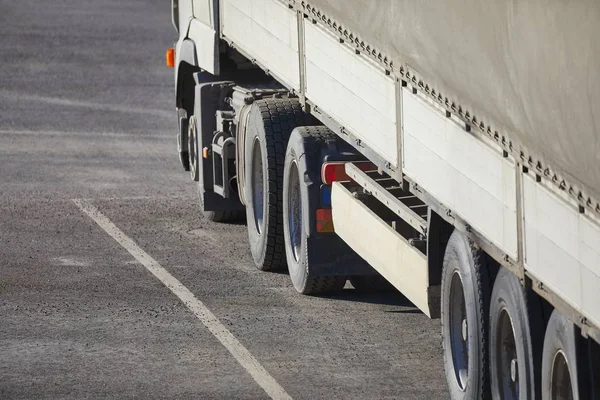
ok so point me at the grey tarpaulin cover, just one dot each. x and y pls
(530, 68)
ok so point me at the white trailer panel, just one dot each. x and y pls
(562, 248)
(475, 181)
(266, 30)
(352, 90)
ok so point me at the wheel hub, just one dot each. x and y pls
(294, 211)
(193, 148)
(562, 388)
(507, 363)
(459, 332)
(258, 186)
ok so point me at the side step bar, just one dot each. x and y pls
(408, 207)
(376, 241)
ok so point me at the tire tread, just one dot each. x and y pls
(485, 284)
(324, 285)
(279, 117)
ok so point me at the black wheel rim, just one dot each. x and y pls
(192, 147)
(258, 186)
(459, 336)
(561, 378)
(294, 211)
(507, 365)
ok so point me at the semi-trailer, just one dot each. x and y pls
(450, 148)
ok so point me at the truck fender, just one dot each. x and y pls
(186, 52)
(186, 64)
(198, 51)
(206, 45)
(329, 255)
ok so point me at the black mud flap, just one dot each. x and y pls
(209, 98)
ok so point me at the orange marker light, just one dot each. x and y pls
(171, 58)
(205, 152)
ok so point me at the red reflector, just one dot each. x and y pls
(324, 220)
(336, 171)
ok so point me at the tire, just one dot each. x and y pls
(296, 203)
(270, 124)
(559, 360)
(515, 339)
(466, 286)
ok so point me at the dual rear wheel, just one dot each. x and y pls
(280, 197)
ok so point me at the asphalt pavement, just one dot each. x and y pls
(112, 285)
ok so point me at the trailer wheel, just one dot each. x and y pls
(296, 205)
(515, 339)
(270, 124)
(559, 360)
(466, 284)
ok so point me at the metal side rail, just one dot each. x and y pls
(408, 207)
(386, 226)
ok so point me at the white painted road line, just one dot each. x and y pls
(223, 335)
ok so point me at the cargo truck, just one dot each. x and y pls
(452, 148)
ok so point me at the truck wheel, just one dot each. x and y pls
(559, 360)
(515, 340)
(296, 203)
(270, 124)
(466, 284)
